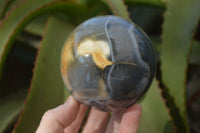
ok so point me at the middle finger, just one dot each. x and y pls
(96, 122)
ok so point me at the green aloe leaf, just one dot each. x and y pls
(9, 26)
(118, 8)
(10, 108)
(194, 56)
(178, 29)
(36, 27)
(155, 116)
(47, 89)
(27, 11)
(7, 6)
(3, 3)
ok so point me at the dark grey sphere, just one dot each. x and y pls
(108, 62)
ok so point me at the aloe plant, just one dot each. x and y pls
(43, 26)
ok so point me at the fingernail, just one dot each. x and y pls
(71, 100)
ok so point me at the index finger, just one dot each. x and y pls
(56, 120)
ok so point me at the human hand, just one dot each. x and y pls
(68, 118)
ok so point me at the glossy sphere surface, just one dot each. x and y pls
(108, 62)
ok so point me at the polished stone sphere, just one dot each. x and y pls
(108, 62)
